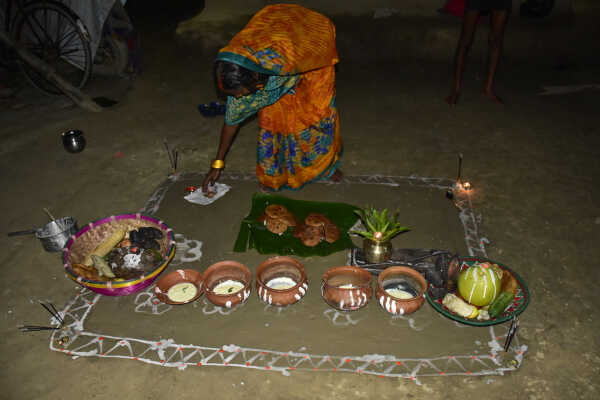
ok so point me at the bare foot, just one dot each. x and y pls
(492, 96)
(452, 99)
(337, 176)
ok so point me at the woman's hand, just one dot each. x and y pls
(211, 177)
(227, 134)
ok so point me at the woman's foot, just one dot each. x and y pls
(492, 96)
(337, 176)
(452, 99)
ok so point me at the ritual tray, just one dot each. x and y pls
(254, 235)
(309, 335)
(519, 304)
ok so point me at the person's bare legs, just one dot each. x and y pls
(469, 25)
(495, 41)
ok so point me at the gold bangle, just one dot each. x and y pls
(218, 164)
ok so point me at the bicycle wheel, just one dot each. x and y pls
(111, 57)
(56, 35)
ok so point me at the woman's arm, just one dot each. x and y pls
(227, 135)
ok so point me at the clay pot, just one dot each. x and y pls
(281, 270)
(404, 278)
(161, 290)
(351, 298)
(227, 271)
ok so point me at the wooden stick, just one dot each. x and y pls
(47, 72)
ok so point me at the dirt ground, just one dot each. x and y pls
(533, 163)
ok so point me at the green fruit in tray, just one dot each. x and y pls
(498, 306)
(479, 284)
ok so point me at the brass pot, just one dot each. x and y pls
(377, 252)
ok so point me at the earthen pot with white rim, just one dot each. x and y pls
(404, 278)
(346, 288)
(222, 272)
(166, 290)
(281, 281)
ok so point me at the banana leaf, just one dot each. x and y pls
(254, 235)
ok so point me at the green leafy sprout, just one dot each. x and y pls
(381, 225)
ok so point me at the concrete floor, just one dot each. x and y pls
(534, 163)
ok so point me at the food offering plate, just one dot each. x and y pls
(91, 235)
(519, 304)
(254, 234)
(181, 286)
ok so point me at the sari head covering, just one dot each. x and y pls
(299, 138)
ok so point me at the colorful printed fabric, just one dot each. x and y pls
(238, 109)
(299, 138)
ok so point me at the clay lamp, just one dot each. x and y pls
(281, 281)
(227, 283)
(346, 288)
(400, 290)
(181, 286)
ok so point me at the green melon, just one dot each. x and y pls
(479, 284)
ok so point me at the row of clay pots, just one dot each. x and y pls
(345, 288)
(285, 269)
(349, 288)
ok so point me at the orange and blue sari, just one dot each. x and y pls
(299, 139)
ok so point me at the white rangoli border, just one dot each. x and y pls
(75, 341)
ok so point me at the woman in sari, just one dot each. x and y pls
(281, 66)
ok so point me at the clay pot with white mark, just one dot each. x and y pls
(281, 281)
(181, 286)
(346, 288)
(400, 290)
(227, 283)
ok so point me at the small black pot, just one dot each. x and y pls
(73, 141)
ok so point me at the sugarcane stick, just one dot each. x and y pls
(48, 73)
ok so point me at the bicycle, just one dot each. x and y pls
(55, 34)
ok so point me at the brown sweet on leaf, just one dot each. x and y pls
(316, 219)
(298, 229)
(311, 235)
(332, 233)
(276, 226)
(276, 211)
(289, 219)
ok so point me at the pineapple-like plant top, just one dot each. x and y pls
(380, 226)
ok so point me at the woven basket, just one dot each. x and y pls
(94, 233)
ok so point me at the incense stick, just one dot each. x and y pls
(37, 328)
(171, 162)
(53, 312)
(49, 214)
(460, 158)
(514, 326)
